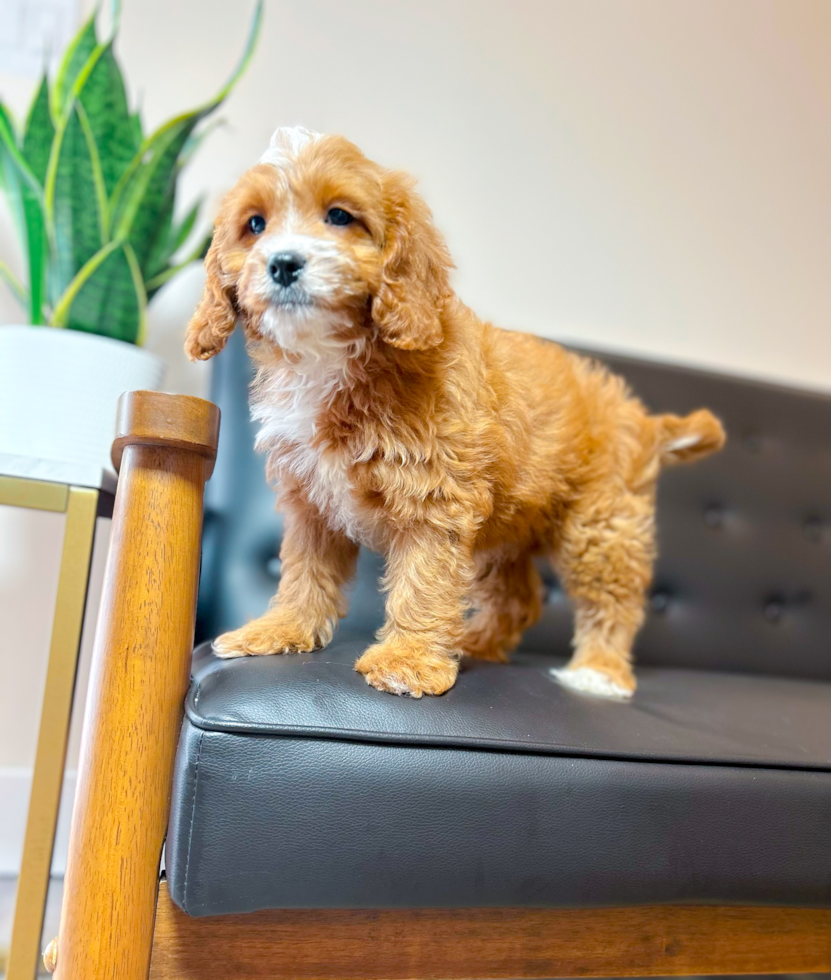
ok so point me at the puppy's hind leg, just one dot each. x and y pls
(605, 564)
(507, 597)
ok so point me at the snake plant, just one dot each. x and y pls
(93, 199)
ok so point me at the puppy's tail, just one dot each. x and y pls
(684, 439)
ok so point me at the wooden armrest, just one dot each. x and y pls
(165, 449)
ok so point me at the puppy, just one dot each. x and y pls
(395, 418)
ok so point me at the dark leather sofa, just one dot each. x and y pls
(297, 786)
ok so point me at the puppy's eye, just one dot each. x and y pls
(337, 216)
(256, 225)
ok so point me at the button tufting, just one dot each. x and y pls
(659, 601)
(714, 515)
(812, 529)
(752, 442)
(774, 609)
(273, 567)
(553, 593)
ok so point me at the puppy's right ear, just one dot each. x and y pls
(215, 317)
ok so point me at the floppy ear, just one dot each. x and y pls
(213, 322)
(691, 437)
(408, 304)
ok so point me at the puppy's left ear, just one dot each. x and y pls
(408, 304)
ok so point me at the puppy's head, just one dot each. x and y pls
(317, 243)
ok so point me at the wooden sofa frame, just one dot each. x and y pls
(118, 921)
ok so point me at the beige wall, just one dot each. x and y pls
(648, 175)
(30, 557)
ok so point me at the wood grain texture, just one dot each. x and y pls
(138, 683)
(446, 944)
(153, 418)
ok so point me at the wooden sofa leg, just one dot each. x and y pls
(165, 447)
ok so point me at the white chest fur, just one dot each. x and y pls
(288, 400)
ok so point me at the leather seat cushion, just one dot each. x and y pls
(299, 786)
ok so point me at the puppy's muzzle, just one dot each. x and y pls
(285, 268)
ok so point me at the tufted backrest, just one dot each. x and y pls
(743, 581)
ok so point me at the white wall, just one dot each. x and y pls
(30, 555)
(648, 175)
(641, 174)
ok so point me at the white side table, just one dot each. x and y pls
(82, 492)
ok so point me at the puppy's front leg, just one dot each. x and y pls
(316, 563)
(429, 571)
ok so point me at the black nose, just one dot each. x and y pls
(285, 267)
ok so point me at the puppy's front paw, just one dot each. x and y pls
(403, 668)
(276, 632)
(599, 683)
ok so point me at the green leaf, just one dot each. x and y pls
(39, 132)
(144, 198)
(7, 118)
(8, 123)
(26, 202)
(135, 122)
(106, 297)
(247, 54)
(100, 90)
(195, 140)
(115, 15)
(141, 295)
(76, 56)
(14, 164)
(175, 237)
(197, 253)
(15, 285)
(159, 253)
(60, 314)
(170, 238)
(142, 210)
(185, 227)
(75, 199)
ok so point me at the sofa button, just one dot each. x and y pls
(812, 529)
(659, 601)
(553, 593)
(714, 515)
(752, 442)
(774, 610)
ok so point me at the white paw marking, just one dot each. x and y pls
(392, 684)
(587, 680)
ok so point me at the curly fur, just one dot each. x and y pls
(394, 417)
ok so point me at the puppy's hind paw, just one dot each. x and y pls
(588, 680)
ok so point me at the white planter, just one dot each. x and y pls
(59, 389)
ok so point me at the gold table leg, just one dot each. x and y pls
(47, 781)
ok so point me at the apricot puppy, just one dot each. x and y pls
(395, 418)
